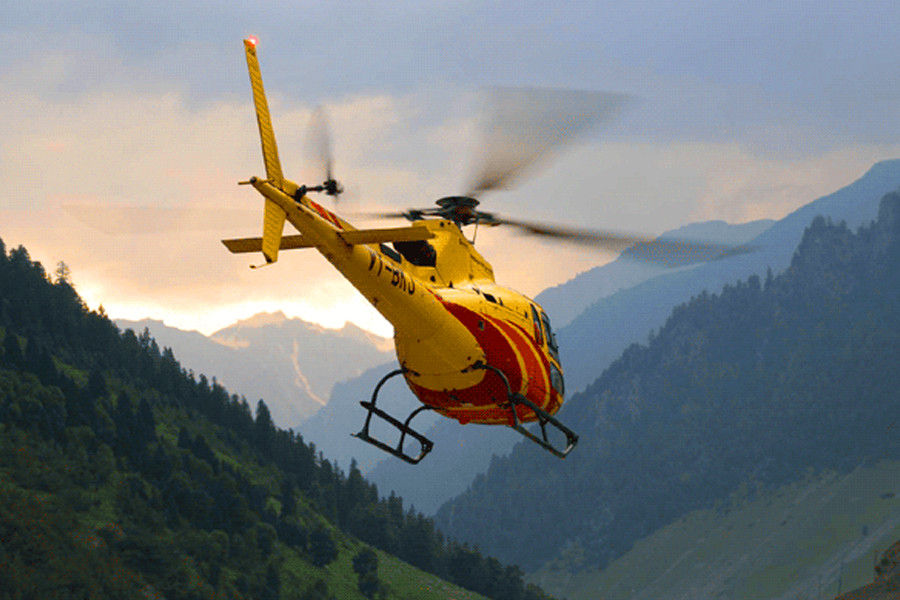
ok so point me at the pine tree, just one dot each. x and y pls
(322, 549)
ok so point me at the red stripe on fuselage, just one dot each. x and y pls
(326, 214)
(482, 403)
(537, 377)
(491, 391)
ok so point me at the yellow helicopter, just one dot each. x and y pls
(467, 347)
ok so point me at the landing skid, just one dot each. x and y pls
(543, 418)
(425, 445)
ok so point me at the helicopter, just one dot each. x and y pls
(467, 347)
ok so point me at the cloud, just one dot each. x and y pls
(161, 174)
(107, 117)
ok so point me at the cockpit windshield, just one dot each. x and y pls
(551, 337)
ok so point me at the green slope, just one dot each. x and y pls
(810, 539)
(124, 476)
(78, 522)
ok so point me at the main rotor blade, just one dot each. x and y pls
(664, 251)
(525, 125)
(379, 215)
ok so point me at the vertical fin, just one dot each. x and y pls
(273, 221)
(273, 226)
(266, 133)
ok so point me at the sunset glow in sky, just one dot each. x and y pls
(746, 110)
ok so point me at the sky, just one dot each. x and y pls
(127, 125)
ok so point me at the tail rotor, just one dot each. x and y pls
(318, 142)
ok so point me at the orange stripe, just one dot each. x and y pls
(326, 214)
(555, 401)
(539, 391)
(543, 363)
(539, 351)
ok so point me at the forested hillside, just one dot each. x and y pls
(123, 476)
(753, 386)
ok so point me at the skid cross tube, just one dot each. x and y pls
(425, 444)
(543, 417)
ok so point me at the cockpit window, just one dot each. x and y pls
(551, 337)
(419, 252)
(538, 335)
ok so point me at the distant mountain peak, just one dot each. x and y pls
(889, 165)
(289, 362)
(153, 325)
(263, 319)
(354, 331)
(278, 318)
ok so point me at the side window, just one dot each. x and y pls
(538, 335)
(556, 380)
(390, 253)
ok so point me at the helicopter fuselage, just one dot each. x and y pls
(450, 317)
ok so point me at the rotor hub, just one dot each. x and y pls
(461, 210)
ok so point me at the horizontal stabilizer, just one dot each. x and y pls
(288, 242)
(380, 236)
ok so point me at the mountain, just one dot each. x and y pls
(751, 387)
(123, 475)
(599, 334)
(564, 302)
(292, 363)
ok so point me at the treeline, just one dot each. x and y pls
(177, 487)
(750, 387)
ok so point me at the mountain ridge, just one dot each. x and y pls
(289, 361)
(630, 315)
(565, 301)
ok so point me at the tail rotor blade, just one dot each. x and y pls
(319, 145)
(318, 142)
